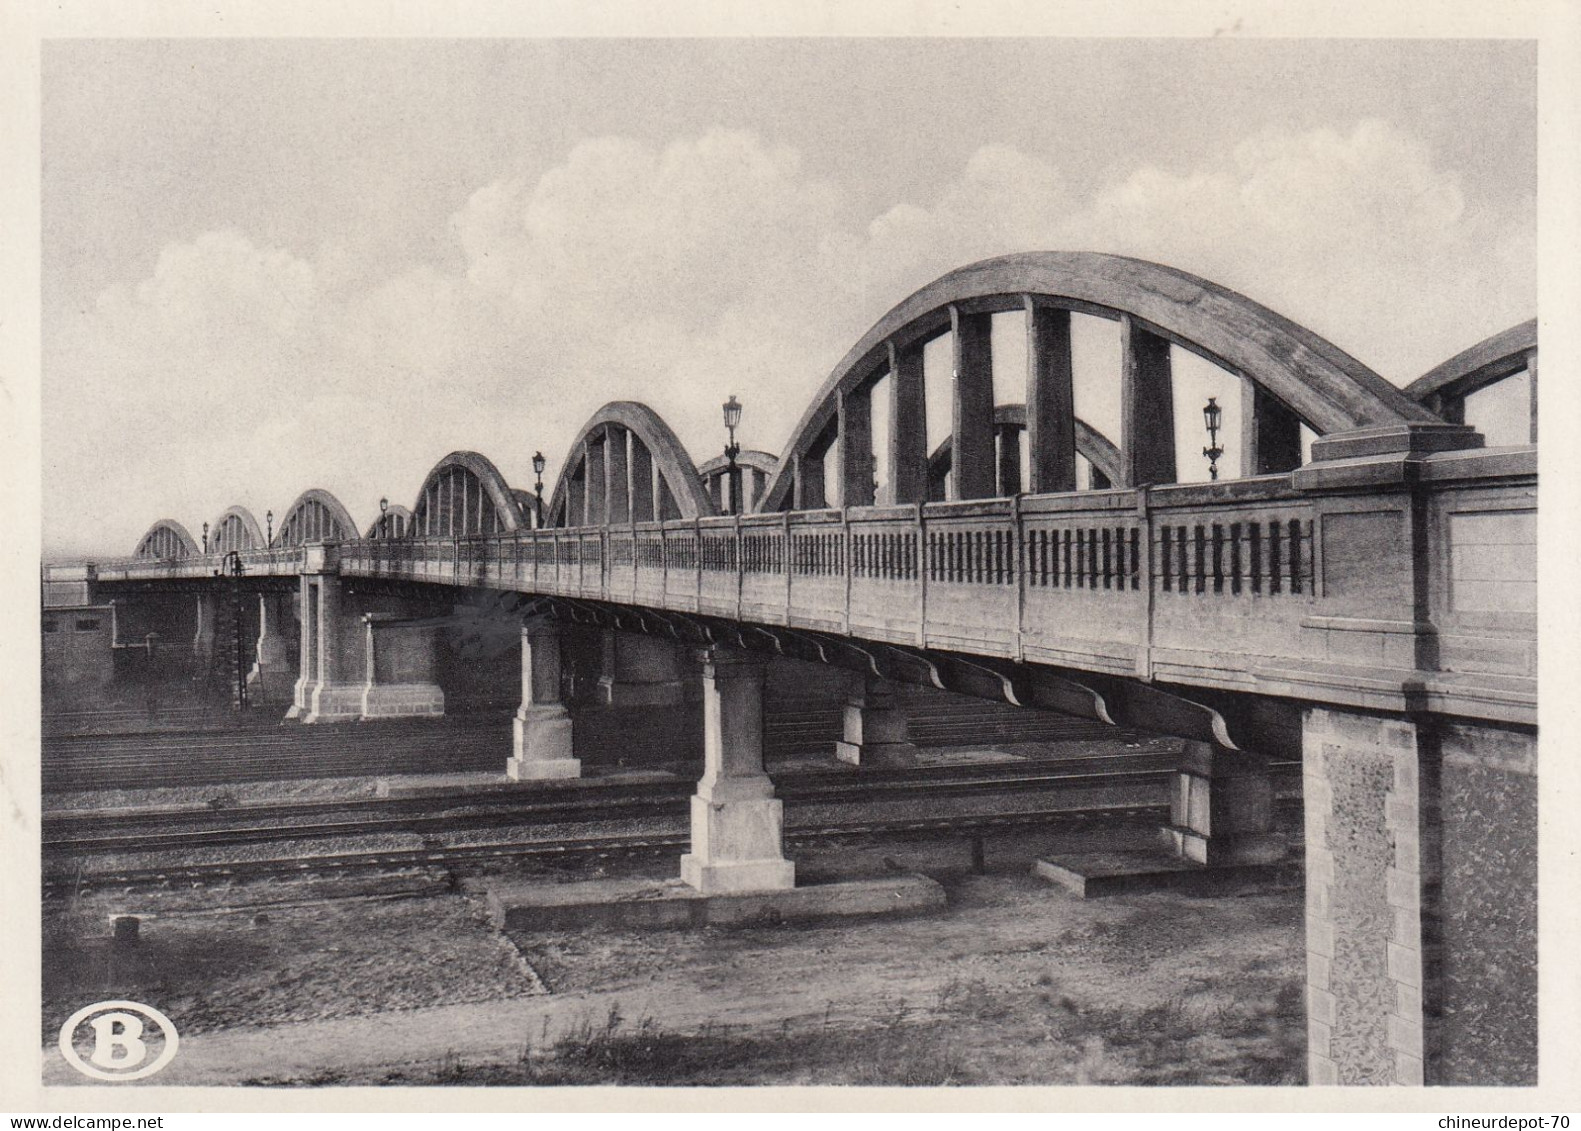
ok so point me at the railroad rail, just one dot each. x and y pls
(467, 858)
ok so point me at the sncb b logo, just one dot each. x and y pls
(122, 1040)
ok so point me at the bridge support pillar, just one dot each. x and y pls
(203, 636)
(329, 689)
(1222, 808)
(639, 671)
(876, 732)
(270, 680)
(542, 728)
(737, 823)
(1421, 901)
(399, 660)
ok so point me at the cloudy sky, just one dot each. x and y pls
(273, 265)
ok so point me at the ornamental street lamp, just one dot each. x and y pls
(732, 410)
(205, 537)
(384, 517)
(538, 464)
(1211, 415)
(231, 564)
(269, 518)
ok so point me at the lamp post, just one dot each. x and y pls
(269, 519)
(1211, 415)
(732, 410)
(231, 564)
(384, 517)
(205, 537)
(538, 464)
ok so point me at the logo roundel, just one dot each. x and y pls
(118, 1040)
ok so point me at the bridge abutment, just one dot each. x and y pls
(542, 729)
(737, 822)
(1421, 901)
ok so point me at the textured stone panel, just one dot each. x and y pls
(1364, 991)
(1488, 1030)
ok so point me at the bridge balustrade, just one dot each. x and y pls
(1094, 580)
(1211, 584)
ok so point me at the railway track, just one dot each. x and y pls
(148, 830)
(474, 858)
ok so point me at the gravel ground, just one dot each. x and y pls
(1015, 982)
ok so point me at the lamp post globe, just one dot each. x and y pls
(732, 414)
(538, 464)
(1212, 416)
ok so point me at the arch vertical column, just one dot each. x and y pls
(575, 498)
(617, 483)
(908, 426)
(595, 486)
(1051, 399)
(639, 479)
(972, 448)
(1008, 437)
(856, 447)
(1147, 407)
(1270, 433)
(808, 492)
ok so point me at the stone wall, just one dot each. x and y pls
(1421, 901)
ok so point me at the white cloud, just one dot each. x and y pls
(678, 274)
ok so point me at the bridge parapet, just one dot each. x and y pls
(1388, 581)
(1393, 587)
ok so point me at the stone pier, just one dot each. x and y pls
(875, 731)
(639, 671)
(542, 727)
(737, 823)
(272, 675)
(1222, 808)
(1421, 901)
(399, 658)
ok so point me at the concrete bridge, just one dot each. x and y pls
(1370, 609)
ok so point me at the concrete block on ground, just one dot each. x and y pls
(644, 903)
(1092, 875)
(486, 782)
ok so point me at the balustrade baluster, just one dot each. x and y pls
(1296, 557)
(1275, 556)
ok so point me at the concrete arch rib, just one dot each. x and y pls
(670, 460)
(1491, 360)
(315, 516)
(236, 529)
(167, 538)
(393, 523)
(1091, 443)
(1324, 386)
(491, 484)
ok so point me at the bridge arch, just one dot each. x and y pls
(315, 516)
(167, 539)
(756, 469)
(236, 529)
(1010, 422)
(627, 465)
(465, 494)
(1444, 388)
(395, 522)
(1291, 376)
